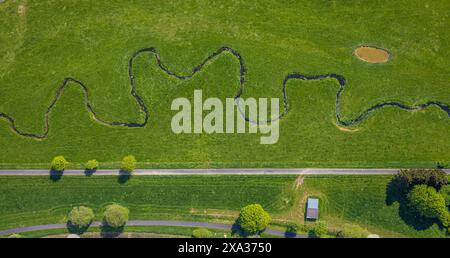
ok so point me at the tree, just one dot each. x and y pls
(92, 164)
(320, 229)
(408, 178)
(129, 163)
(59, 163)
(116, 216)
(81, 216)
(426, 201)
(202, 233)
(253, 218)
(445, 219)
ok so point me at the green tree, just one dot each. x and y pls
(116, 216)
(426, 201)
(92, 164)
(81, 216)
(253, 218)
(445, 219)
(202, 233)
(59, 163)
(320, 229)
(128, 163)
(408, 178)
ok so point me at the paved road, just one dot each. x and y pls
(218, 171)
(169, 223)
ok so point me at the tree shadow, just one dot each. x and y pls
(123, 177)
(55, 175)
(236, 230)
(89, 172)
(73, 229)
(107, 231)
(396, 191)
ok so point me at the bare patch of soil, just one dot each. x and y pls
(372, 54)
(21, 10)
(299, 182)
(215, 213)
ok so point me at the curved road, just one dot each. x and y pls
(215, 171)
(169, 223)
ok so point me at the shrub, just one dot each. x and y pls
(426, 201)
(116, 216)
(15, 236)
(253, 218)
(442, 164)
(352, 231)
(81, 216)
(320, 229)
(59, 163)
(92, 164)
(408, 178)
(202, 233)
(292, 228)
(128, 163)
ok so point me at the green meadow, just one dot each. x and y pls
(364, 201)
(42, 42)
(196, 198)
(370, 202)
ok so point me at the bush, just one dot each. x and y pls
(426, 201)
(59, 163)
(352, 231)
(202, 233)
(92, 164)
(320, 229)
(15, 236)
(116, 216)
(292, 228)
(442, 164)
(253, 218)
(128, 163)
(408, 178)
(81, 216)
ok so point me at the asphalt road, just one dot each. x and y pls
(218, 171)
(169, 223)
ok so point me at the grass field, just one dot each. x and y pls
(135, 231)
(42, 42)
(368, 202)
(160, 197)
(352, 200)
